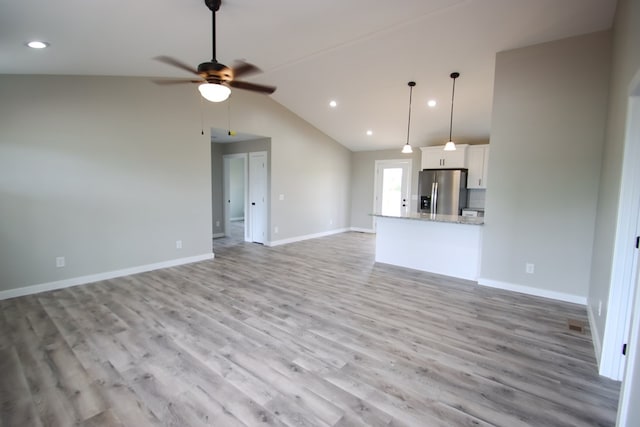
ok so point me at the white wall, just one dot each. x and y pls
(546, 143)
(107, 172)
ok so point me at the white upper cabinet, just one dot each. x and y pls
(437, 158)
(477, 161)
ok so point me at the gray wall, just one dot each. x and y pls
(310, 169)
(363, 178)
(546, 142)
(625, 63)
(108, 172)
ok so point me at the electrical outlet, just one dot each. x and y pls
(330, 222)
(281, 197)
(60, 262)
(276, 229)
(178, 244)
(217, 223)
(529, 268)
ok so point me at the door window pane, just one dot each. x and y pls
(392, 191)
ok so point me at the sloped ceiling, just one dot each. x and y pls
(360, 53)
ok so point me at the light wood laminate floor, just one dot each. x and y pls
(306, 334)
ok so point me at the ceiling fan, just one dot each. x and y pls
(215, 77)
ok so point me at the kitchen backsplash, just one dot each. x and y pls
(476, 198)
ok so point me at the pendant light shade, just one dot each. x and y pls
(214, 92)
(407, 147)
(450, 145)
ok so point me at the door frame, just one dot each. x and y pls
(616, 333)
(623, 326)
(377, 182)
(226, 186)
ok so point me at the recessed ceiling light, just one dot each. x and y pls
(37, 44)
(369, 132)
(432, 103)
(333, 104)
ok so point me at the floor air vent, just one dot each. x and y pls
(576, 326)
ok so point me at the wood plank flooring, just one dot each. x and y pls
(307, 334)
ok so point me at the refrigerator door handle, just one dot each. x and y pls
(434, 199)
(433, 194)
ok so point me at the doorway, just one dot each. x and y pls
(392, 186)
(232, 177)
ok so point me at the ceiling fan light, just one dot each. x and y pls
(407, 149)
(214, 92)
(450, 146)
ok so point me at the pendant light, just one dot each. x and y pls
(450, 145)
(407, 147)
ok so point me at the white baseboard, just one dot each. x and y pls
(307, 237)
(560, 296)
(240, 218)
(595, 336)
(83, 280)
(218, 235)
(362, 230)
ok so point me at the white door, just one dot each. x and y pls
(392, 187)
(258, 196)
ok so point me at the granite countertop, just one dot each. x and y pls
(472, 220)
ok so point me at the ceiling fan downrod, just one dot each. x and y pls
(214, 6)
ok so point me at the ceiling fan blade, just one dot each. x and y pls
(252, 86)
(176, 82)
(178, 64)
(241, 68)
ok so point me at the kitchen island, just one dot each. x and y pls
(441, 244)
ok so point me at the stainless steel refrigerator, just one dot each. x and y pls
(442, 191)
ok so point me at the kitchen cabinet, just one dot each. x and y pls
(477, 161)
(437, 158)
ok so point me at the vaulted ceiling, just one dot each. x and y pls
(360, 53)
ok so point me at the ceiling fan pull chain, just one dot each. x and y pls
(201, 117)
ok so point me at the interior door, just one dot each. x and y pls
(258, 196)
(392, 187)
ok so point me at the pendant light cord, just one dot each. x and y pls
(453, 92)
(411, 85)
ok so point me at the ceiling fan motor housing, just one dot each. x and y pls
(215, 71)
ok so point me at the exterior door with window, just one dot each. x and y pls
(392, 187)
